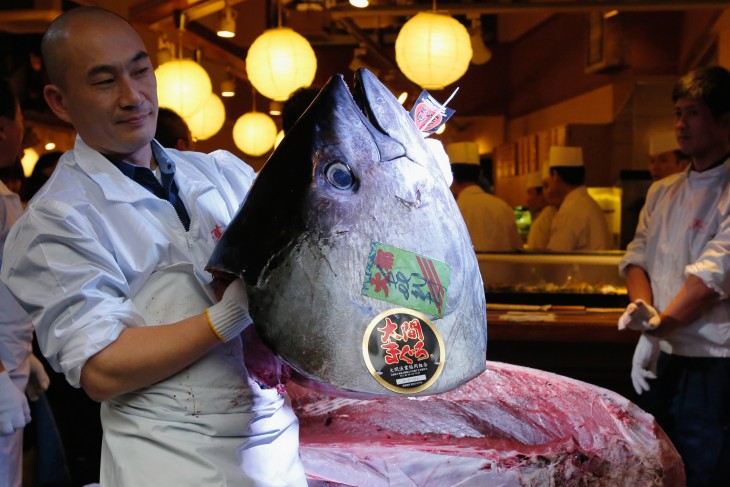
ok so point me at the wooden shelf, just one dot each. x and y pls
(586, 346)
(578, 326)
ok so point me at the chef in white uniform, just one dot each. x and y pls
(677, 272)
(109, 261)
(541, 209)
(579, 223)
(665, 158)
(490, 220)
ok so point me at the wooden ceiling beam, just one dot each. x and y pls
(502, 7)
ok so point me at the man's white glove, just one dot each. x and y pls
(639, 316)
(643, 365)
(38, 381)
(14, 410)
(229, 317)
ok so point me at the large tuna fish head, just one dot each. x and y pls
(360, 270)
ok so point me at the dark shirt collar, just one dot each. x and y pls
(713, 165)
(165, 188)
(134, 172)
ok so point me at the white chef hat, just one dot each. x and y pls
(661, 143)
(563, 156)
(463, 153)
(534, 179)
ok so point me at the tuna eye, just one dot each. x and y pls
(339, 175)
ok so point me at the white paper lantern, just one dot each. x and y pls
(254, 133)
(207, 121)
(279, 62)
(182, 85)
(433, 50)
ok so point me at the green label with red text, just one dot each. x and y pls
(406, 279)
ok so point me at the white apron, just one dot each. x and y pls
(209, 424)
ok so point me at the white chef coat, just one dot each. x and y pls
(16, 333)
(491, 222)
(16, 328)
(82, 261)
(684, 229)
(579, 224)
(539, 234)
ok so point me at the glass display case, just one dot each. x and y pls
(588, 279)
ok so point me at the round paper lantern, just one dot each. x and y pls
(207, 121)
(433, 50)
(279, 62)
(254, 133)
(182, 85)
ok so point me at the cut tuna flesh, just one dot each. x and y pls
(510, 426)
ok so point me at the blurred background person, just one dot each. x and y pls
(490, 220)
(13, 176)
(665, 157)
(579, 223)
(172, 130)
(18, 368)
(541, 211)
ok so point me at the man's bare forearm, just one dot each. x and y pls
(638, 284)
(146, 355)
(689, 303)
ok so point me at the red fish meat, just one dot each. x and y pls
(510, 426)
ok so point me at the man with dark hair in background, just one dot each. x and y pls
(172, 130)
(677, 272)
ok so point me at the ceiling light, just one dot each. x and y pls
(228, 87)
(359, 3)
(50, 145)
(309, 5)
(433, 50)
(275, 108)
(403, 97)
(480, 52)
(227, 26)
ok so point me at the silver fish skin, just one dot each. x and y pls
(353, 170)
